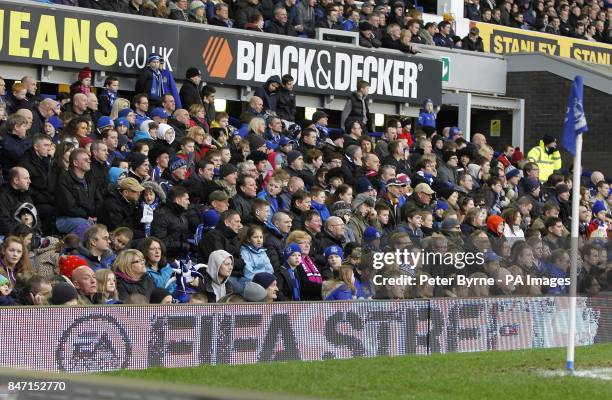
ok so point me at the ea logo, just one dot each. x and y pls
(93, 343)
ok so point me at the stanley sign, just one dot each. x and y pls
(503, 40)
(249, 61)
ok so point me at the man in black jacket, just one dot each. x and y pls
(285, 99)
(201, 184)
(224, 236)
(135, 7)
(392, 40)
(12, 196)
(279, 24)
(274, 239)
(331, 19)
(37, 160)
(170, 224)
(120, 207)
(356, 107)
(76, 195)
(246, 190)
(99, 165)
(190, 91)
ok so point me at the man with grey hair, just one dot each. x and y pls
(275, 235)
(180, 123)
(27, 114)
(45, 109)
(31, 86)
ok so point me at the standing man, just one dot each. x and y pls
(356, 107)
(190, 91)
(546, 156)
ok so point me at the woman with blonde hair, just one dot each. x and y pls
(342, 287)
(197, 114)
(257, 126)
(132, 278)
(14, 260)
(119, 105)
(202, 140)
(107, 285)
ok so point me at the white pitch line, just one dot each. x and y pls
(598, 373)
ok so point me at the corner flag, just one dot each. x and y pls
(575, 121)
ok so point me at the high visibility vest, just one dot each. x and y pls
(547, 163)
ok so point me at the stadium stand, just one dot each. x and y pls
(152, 195)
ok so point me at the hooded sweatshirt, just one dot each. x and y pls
(215, 260)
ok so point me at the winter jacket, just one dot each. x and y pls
(75, 197)
(10, 201)
(285, 104)
(358, 224)
(319, 244)
(116, 211)
(548, 163)
(335, 290)
(127, 285)
(444, 41)
(241, 204)
(162, 276)
(39, 177)
(276, 28)
(189, 94)
(255, 261)
(221, 237)
(467, 44)
(11, 150)
(99, 174)
(274, 243)
(243, 10)
(95, 263)
(308, 278)
(171, 226)
(211, 286)
(269, 98)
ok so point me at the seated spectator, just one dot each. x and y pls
(120, 207)
(331, 18)
(267, 282)
(132, 278)
(341, 287)
(14, 260)
(96, 248)
(154, 251)
(77, 196)
(280, 25)
(14, 195)
(221, 18)
(216, 284)
(443, 37)
(392, 40)
(473, 41)
(107, 286)
(170, 224)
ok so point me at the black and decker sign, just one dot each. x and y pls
(236, 59)
(74, 38)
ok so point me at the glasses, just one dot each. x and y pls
(139, 261)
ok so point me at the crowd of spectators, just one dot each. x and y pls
(394, 25)
(580, 19)
(159, 198)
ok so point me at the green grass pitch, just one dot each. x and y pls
(485, 375)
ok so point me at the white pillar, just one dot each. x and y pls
(518, 125)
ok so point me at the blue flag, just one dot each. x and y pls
(575, 121)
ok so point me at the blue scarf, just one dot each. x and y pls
(295, 284)
(156, 84)
(112, 96)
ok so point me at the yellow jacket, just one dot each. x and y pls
(548, 163)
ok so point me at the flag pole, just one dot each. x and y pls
(571, 334)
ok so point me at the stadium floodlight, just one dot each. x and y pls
(220, 105)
